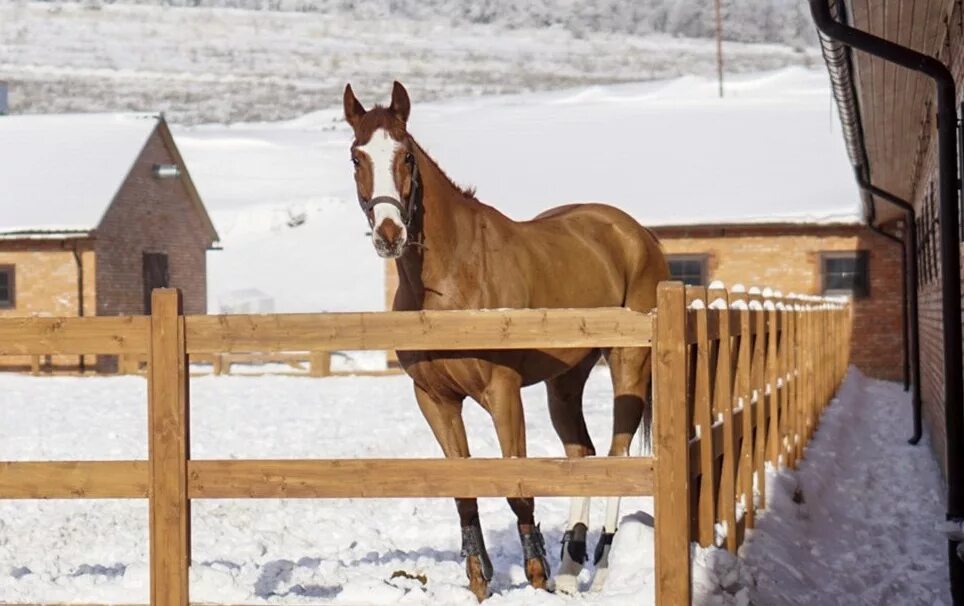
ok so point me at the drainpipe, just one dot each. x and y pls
(950, 252)
(80, 296)
(910, 288)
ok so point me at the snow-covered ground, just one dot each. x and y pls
(668, 152)
(856, 523)
(227, 65)
(343, 551)
(864, 531)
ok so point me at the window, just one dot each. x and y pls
(688, 269)
(846, 273)
(7, 287)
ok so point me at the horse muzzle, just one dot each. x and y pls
(389, 238)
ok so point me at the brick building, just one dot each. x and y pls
(899, 127)
(97, 210)
(841, 257)
(890, 119)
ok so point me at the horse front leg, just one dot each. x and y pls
(445, 419)
(503, 399)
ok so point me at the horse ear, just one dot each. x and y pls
(400, 103)
(353, 109)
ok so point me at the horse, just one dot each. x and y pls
(454, 252)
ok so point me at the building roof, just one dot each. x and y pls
(59, 173)
(894, 107)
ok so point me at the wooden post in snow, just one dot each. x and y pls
(671, 448)
(168, 429)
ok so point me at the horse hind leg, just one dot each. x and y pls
(565, 409)
(503, 400)
(630, 368)
(445, 419)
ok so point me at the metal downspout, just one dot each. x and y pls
(910, 289)
(81, 363)
(950, 252)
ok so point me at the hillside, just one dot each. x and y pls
(212, 64)
(667, 152)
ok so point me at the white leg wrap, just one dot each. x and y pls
(602, 551)
(566, 580)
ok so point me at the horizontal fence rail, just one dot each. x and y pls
(740, 380)
(414, 330)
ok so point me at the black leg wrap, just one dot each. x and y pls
(474, 545)
(606, 538)
(574, 542)
(534, 546)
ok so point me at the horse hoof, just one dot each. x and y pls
(478, 583)
(537, 571)
(565, 583)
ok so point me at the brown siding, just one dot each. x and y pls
(46, 283)
(150, 215)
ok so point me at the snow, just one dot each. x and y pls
(668, 152)
(223, 65)
(857, 523)
(296, 551)
(61, 172)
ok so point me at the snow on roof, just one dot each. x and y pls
(59, 173)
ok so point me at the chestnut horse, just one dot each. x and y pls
(454, 252)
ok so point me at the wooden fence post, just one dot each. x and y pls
(744, 470)
(703, 417)
(319, 364)
(758, 387)
(774, 342)
(723, 402)
(671, 448)
(168, 429)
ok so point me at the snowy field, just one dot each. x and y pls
(225, 65)
(856, 537)
(667, 152)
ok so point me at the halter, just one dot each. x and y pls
(407, 211)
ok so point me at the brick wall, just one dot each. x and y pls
(156, 216)
(929, 292)
(788, 258)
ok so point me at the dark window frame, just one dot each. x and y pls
(862, 258)
(11, 302)
(701, 258)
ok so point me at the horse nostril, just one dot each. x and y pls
(389, 232)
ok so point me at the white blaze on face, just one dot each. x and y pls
(381, 149)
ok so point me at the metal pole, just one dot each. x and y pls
(719, 47)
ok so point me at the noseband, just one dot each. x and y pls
(407, 211)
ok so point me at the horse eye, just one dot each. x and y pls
(409, 158)
(355, 161)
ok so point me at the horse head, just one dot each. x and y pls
(386, 171)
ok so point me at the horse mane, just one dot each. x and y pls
(468, 192)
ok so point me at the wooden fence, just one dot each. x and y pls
(755, 374)
(255, 364)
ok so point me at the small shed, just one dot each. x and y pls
(98, 210)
